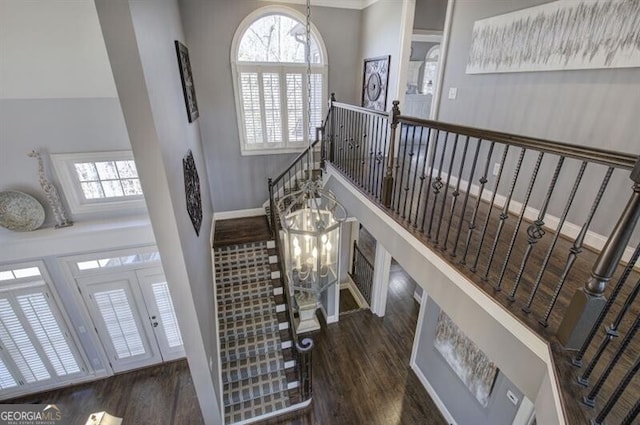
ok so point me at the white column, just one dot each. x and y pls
(381, 269)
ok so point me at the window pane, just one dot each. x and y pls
(28, 272)
(127, 169)
(86, 171)
(276, 38)
(92, 190)
(39, 315)
(131, 187)
(7, 275)
(271, 90)
(107, 170)
(112, 188)
(251, 106)
(295, 113)
(88, 265)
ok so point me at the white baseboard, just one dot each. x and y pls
(327, 318)
(417, 297)
(351, 286)
(433, 394)
(251, 212)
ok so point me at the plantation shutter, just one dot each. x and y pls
(120, 323)
(167, 314)
(251, 107)
(6, 379)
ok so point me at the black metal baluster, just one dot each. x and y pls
(535, 231)
(617, 393)
(590, 399)
(504, 215)
(387, 125)
(632, 415)
(446, 188)
(466, 200)
(428, 188)
(406, 189)
(415, 175)
(364, 146)
(422, 173)
(374, 156)
(485, 226)
(577, 360)
(456, 193)
(532, 182)
(400, 178)
(611, 332)
(437, 184)
(563, 217)
(576, 249)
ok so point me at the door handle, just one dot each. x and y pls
(155, 324)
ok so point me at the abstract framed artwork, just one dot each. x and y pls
(375, 82)
(192, 191)
(186, 76)
(471, 365)
(560, 35)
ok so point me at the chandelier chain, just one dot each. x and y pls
(308, 60)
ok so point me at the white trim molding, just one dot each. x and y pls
(341, 4)
(249, 212)
(427, 36)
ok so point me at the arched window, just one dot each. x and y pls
(269, 80)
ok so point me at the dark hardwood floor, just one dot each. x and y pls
(241, 230)
(162, 394)
(348, 304)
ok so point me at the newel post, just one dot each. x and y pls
(387, 180)
(588, 302)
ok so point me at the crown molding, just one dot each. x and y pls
(342, 4)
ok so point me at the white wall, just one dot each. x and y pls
(52, 49)
(140, 41)
(240, 182)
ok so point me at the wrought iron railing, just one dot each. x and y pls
(362, 273)
(287, 182)
(518, 214)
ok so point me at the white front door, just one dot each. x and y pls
(119, 314)
(162, 316)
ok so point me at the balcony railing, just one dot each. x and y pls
(522, 217)
(362, 273)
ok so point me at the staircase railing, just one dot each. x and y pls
(283, 184)
(362, 272)
(517, 213)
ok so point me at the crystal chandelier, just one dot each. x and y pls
(311, 218)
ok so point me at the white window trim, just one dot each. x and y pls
(44, 280)
(72, 261)
(321, 68)
(65, 170)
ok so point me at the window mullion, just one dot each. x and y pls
(284, 122)
(263, 109)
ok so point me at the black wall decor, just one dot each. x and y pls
(375, 81)
(188, 88)
(192, 191)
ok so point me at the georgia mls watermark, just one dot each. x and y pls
(30, 414)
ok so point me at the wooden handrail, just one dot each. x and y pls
(601, 156)
(360, 109)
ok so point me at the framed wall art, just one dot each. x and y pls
(192, 191)
(561, 35)
(186, 76)
(375, 82)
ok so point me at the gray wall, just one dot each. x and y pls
(460, 402)
(380, 36)
(140, 41)
(239, 182)
(430, 15)
(56, 126)
(587, 107)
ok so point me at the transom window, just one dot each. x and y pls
(270, 84)
(98, 181)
